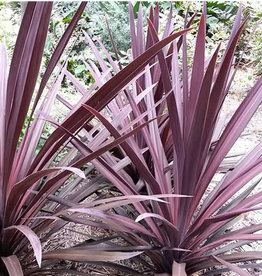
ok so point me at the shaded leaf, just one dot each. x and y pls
(13, 265)
(33, 239)
(90, 255)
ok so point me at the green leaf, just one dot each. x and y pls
(66, 20)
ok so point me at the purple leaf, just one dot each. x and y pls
(89, 255)
(33, 239)
(233, 268)
(13, 265)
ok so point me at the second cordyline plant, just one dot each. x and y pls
(158, 139)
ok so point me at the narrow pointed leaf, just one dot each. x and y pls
(13, 265)
(233, 268)
(33, 239)
(89, 256)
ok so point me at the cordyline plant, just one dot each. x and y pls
(179, 152)
(158, 140)
(16, 177)
(30, 180)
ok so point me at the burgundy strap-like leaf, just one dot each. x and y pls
(89, 255)
(132, 31)
(21, 187)
(199, 263)
(23, 74)
(232, 267)
(27, 148)
(113, 218)
(33, 239)
(172, 110)
(197, 73)
(157, 216)
(3, 97)
(192, 168)
(140, 31)
(13, 265)
(216, 100)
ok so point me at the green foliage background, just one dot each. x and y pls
(220, 17)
